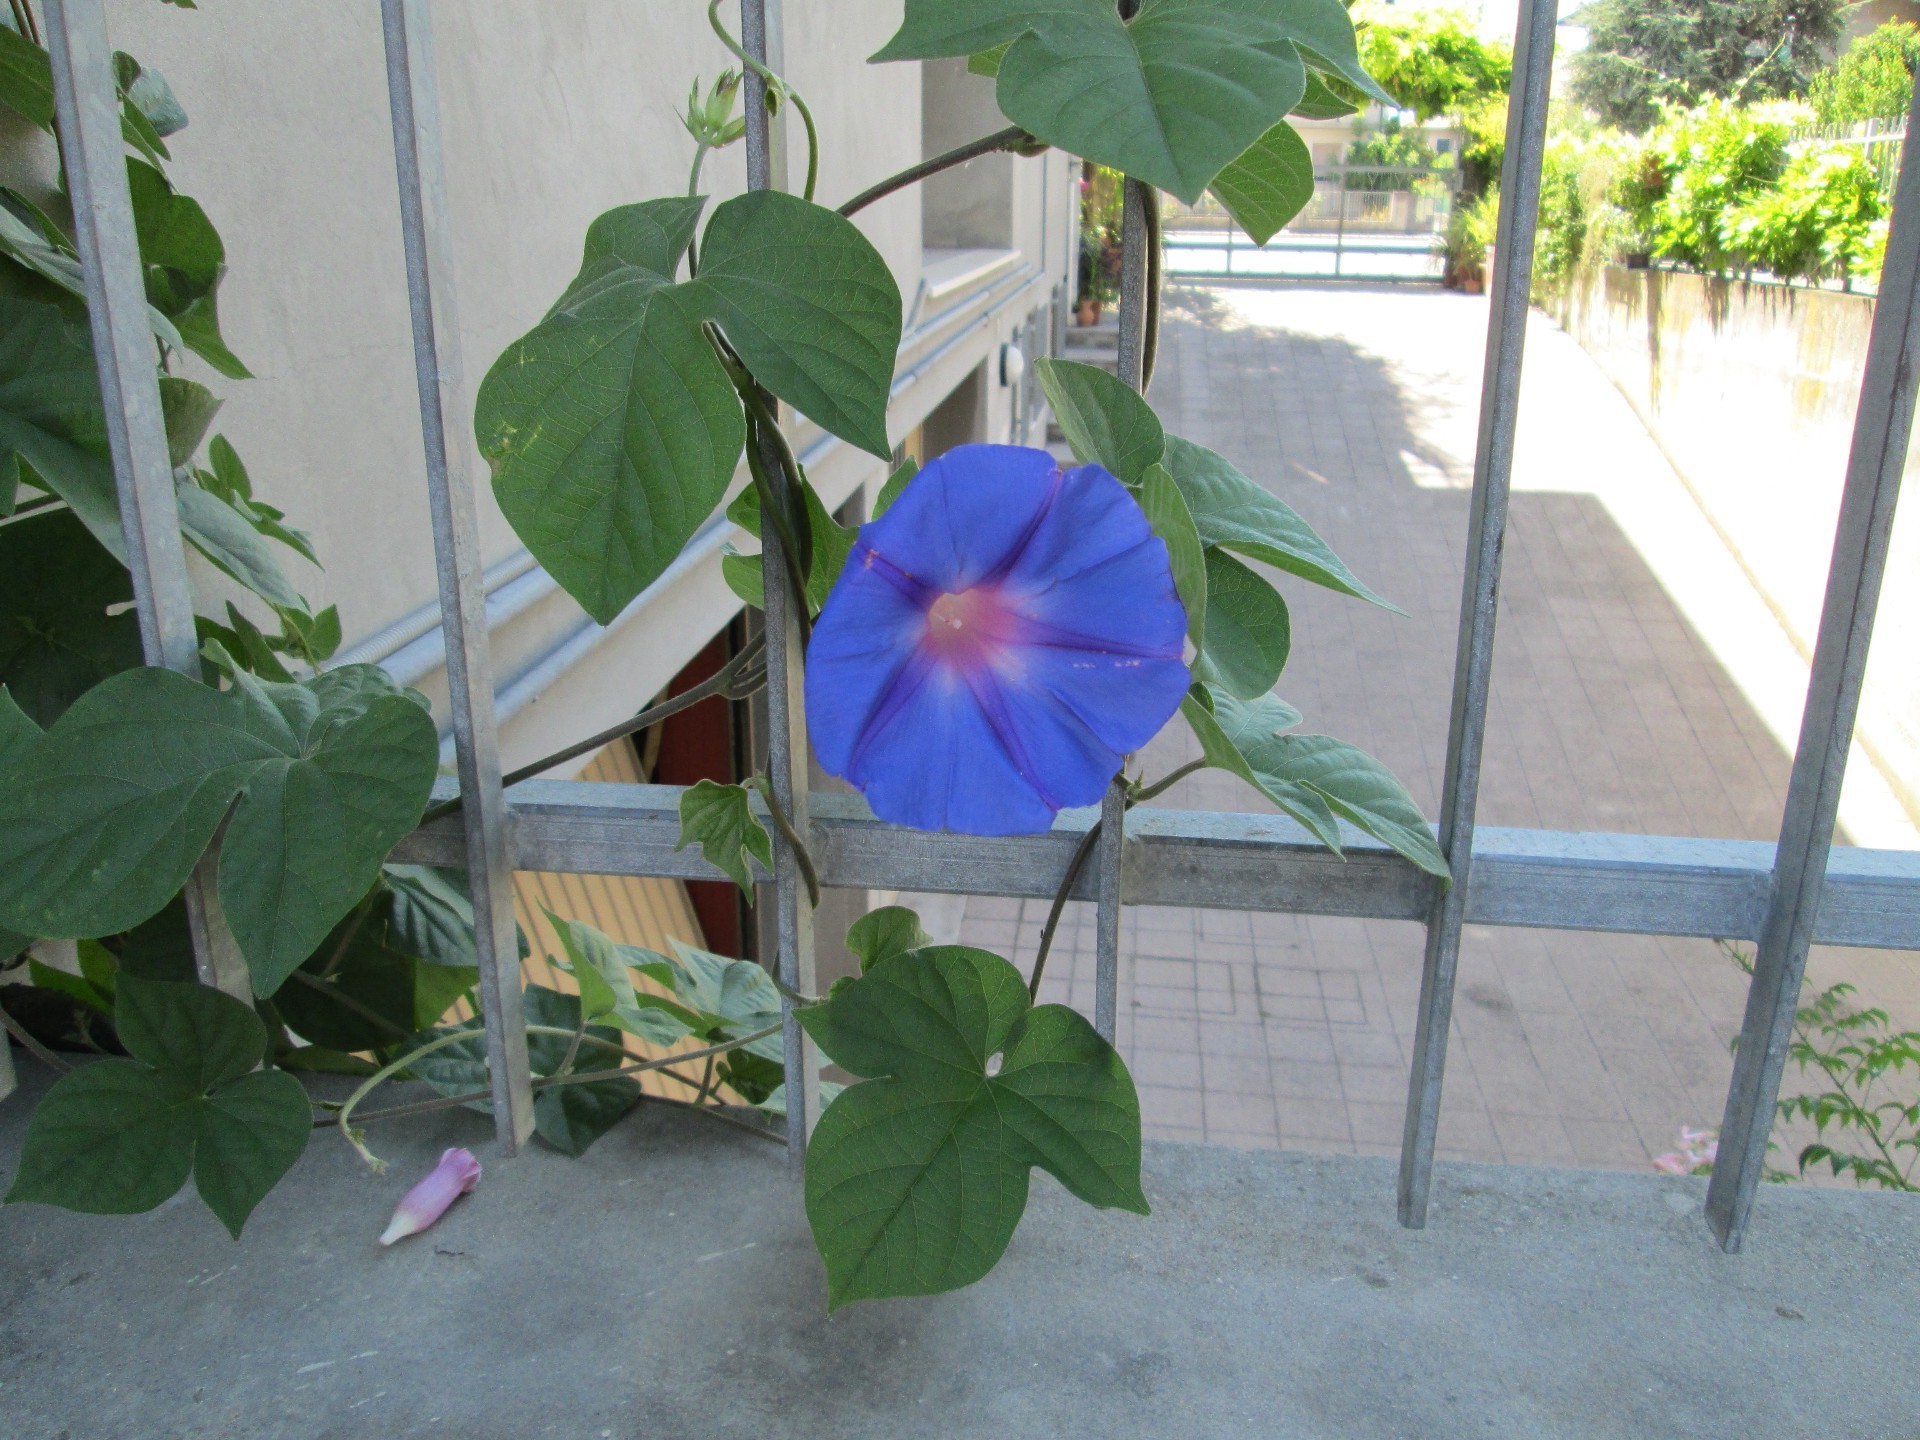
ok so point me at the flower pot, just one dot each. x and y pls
(1088, 313)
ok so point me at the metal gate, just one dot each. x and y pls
(1786, 897)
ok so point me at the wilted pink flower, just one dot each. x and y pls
(1673, 1165)
(1692, 1138)
(456, 1174)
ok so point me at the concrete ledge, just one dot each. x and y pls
(665, 1286)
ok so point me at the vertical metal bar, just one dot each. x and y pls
(1882, 434)
(93, 154)
(786, 664)
(1135, 237)
(414, 102)
(1479, 605)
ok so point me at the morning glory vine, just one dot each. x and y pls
(992, 648)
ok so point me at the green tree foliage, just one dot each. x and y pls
(1642, 54)
(1432, 61)
(1698, 168)
(1818, 222)
(1873, 80)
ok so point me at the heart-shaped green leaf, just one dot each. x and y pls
(1358, 788)
(612, 427)
(603, 970)
(1166, 511)
(120, 798)
(1249, 633)
(52, 430)
(1233, 512)
(917, 1177)
(57, 639)
(121, 1136)
(720, 820)
(1226, 729)
(1313, 778)
(1269, 184)
(884, 933)
(613, 432)
(810, 306)
(1171, 96)
(1106, 422)
(568, 1117)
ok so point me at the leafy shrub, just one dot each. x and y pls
(1563, 220)
(1470, 234)
(1818, 222)
(1872, 81)
(1392, 147)
(1703, 164)
(1434, 61)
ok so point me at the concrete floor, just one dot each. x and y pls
(665, 1286)
(1639, 686)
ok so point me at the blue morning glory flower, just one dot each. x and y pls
(998, 642)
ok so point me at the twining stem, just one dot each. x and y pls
(23, 17)
(545, 1082)
(1074, 868)
(32, 1046)
(1011, 138)
(792, 837)
(1156, 267)
(775, 86)
(340, 997)
(784, 506)
(740, 669)
(360, 913)
(1160, 787)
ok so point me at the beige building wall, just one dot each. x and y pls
(551, 114)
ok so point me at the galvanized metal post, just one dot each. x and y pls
(1479, 606)
(786, 663)
(1882, 433)
(1109, 851)
(93, 154)
(414, 102)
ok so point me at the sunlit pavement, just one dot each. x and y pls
(1641, 686)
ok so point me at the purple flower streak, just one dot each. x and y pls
(998, 642)
(456, 1175)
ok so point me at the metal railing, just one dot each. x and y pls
(1365, 222)
(1786, 897)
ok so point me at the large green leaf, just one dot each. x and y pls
(568, 1117)
(719, 819)
(26, 88)
(57, 637)
(228, 538)
(1249, 633)
(1269, 184)
(612, 427)
(917, 1177)
(603, 970)
(121, 1136)
(1233, 512)
(1166, 511)
(1313, 778)
(1170, 97)
(377, 992)
(1106, 422)
(732, 997)
(120, 798)
(613, 432)
(810, 306)
(52, 430)
(1357, 788)
(1221, 748)
(29, 237)
(884, 933)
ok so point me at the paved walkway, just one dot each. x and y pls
(1610, 712)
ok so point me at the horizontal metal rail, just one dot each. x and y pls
(1532, 879)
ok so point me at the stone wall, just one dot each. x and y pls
(1751, 390)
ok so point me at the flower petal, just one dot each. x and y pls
(456, 1174)
(1058, 652)
(966, 514)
